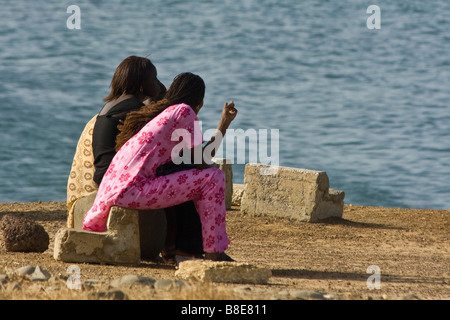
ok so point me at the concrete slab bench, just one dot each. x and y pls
(292, 193)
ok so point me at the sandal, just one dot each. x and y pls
(168, 258)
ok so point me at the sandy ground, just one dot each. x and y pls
(411, 248)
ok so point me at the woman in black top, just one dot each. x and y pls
(135, 80)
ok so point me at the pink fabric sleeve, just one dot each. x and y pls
(188, 128)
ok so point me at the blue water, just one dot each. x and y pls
(369, 107)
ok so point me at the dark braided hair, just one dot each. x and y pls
(186, 88)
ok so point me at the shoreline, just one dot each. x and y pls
(345, 204)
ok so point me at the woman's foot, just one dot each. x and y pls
(168, 257)
(218, 256)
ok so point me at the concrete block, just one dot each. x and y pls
(120, 244)
(225, 272)
(152, 226)
(238, 191)
(292, 193)
(80, 208)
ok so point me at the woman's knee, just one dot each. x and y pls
(215, 174)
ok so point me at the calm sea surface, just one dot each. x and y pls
(369, 107)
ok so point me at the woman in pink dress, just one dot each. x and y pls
(154, 136)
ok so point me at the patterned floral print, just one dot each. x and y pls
(131, 179)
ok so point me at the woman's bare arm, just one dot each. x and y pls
(229, 113)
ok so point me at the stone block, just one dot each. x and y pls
(238, 191)
(225, 272)
(80, 208)
(292, 193)
(120, 244)
(152, 226)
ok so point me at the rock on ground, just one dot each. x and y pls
(130, 280)
(19, 234)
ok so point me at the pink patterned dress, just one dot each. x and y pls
(131, 179)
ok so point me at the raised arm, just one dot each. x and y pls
(229, 112)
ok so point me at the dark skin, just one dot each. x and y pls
(229, 113)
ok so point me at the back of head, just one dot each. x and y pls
(131, 77)
(186, 88)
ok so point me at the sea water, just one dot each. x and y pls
(370, 106)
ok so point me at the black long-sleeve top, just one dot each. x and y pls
(105, 133)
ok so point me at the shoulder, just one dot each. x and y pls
(181, 109)
(113, 109)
